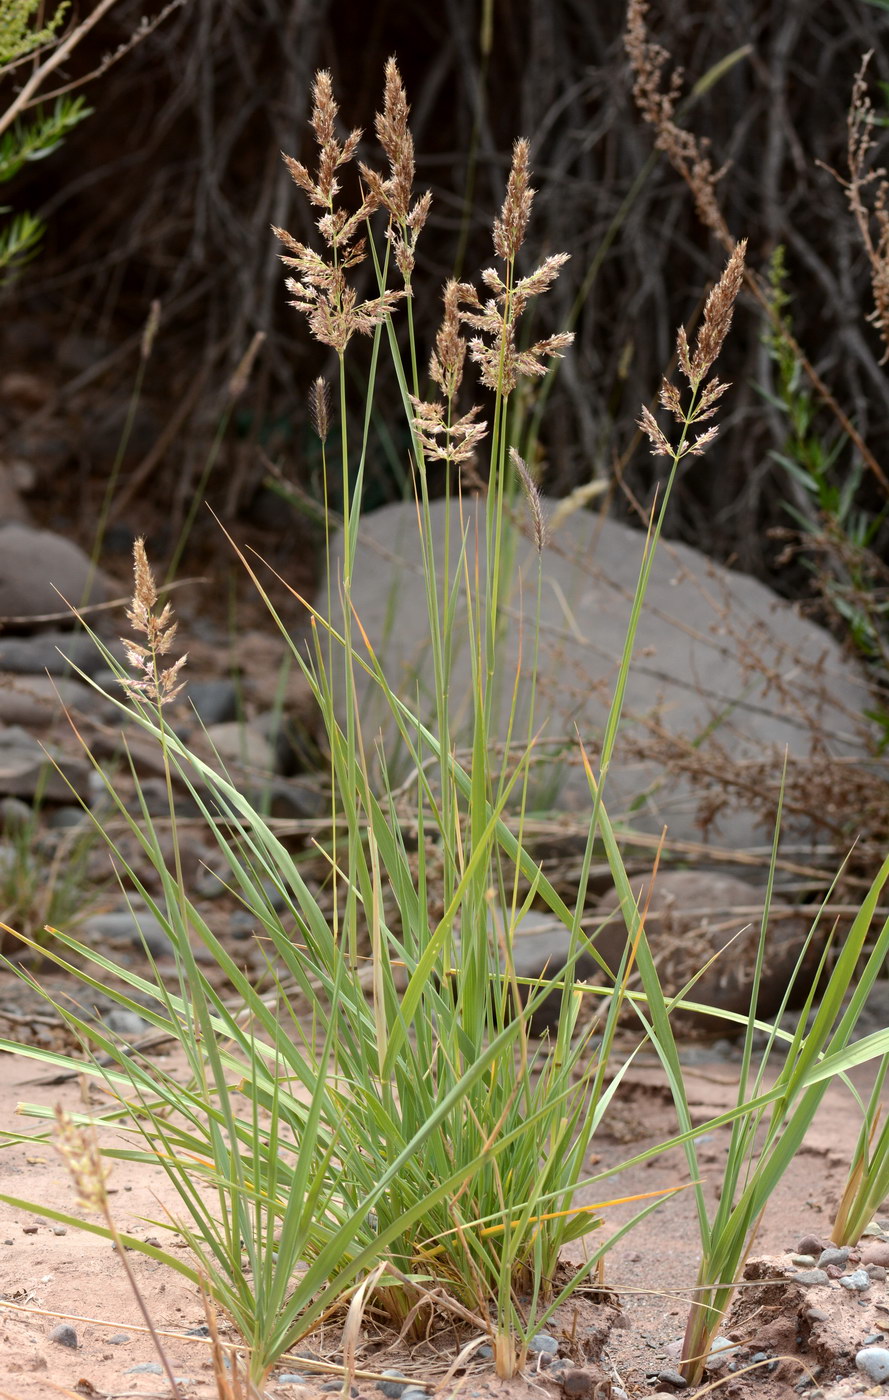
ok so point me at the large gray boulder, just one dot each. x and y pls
(725, 674)
(41, 572)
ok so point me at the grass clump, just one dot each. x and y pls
(397, 1138)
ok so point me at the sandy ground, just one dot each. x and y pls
(46, 1277)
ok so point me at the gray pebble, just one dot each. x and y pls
(874, 1362)
(671, 1377)
(722, 1349)
(118, 1339)
(414, 1392)
(816, 1315)
(810, 1244)
(64, 1335)
(872, 1338)
(834, 1255)
(16, 815)
(811, 1278)
(146, 1368)
(543, 1342)
(60, 1229)
(876, 1272)
(216, 702)
(125, 1023)
(291, 1378)
(393, 1388)
(130, 927)
(803, 1261)
(485, 1352)
(856, 1282)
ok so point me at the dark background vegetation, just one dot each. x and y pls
(169, 190)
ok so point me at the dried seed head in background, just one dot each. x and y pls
(153, 684)
(657, 106)
(867, 191)
(696, 365)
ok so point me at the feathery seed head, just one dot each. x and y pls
(696, 365)
(717, 319)
(449, 356)
(319, 407)
(320, 291)
(396, 140)
(159, 629)
(151, 328)
(80, 1152)
(510, 227)
(532, 496)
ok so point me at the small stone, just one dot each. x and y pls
(834, 1255)
(291, 1378)
(413, 1392)
(856, 1282)
(811, 1278)
(874, 1362)
(146, 1368)
(216, 702)
(8, 1241)
(816, 1315)
(876, 1252)
(876, 1272)
(202, 1330)
(872, 1338)
(803, 1261)
(393, 1388)
(810, 1244)
(576, 1382)
(485, 1352)
(542, 1342)
(125, 1023)
(64, 1335)
(30, 1229)
(60, 1229)
(670, 1377)
(722, 1349)
(118, 1339)
(131, 926)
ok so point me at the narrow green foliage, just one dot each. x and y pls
(40, 135)
(18, 34)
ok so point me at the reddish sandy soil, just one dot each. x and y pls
(45, 1277)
